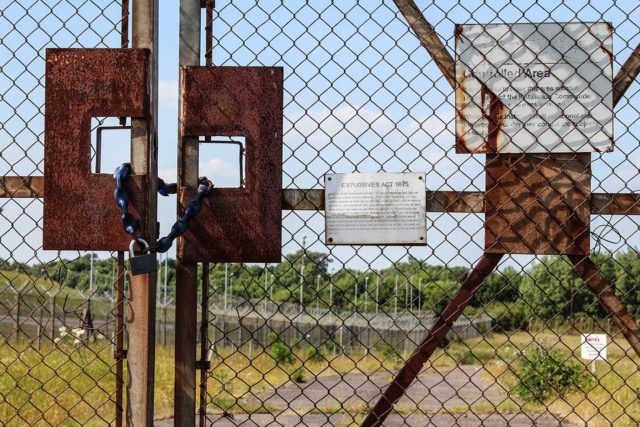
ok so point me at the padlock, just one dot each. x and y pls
(141, 264)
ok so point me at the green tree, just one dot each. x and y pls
(500, 286)
(552, 290)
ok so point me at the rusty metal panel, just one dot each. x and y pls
(534, 88)
(538, 204)
(79, 210)
(615, 204)
(244, 224)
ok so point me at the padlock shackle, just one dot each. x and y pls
(132, 245)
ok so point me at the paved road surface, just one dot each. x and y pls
(450, 389)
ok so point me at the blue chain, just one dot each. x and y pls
(165, 189)
(121, 174)
(178, 229)
(130, 224)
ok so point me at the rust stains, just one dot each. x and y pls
(493, 111)
(80, 212)
(459, 28)
(243, 224)
(461, 143)
(496, 110)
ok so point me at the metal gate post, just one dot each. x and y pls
(142, 293)
(186, 273)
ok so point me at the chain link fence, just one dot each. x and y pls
(59, 359)
(318, 338)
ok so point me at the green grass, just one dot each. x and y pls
(69, 386)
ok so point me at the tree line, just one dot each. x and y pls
(547, 289)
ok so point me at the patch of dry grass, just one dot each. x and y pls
(68, 385)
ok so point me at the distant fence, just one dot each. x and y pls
(40, 316)
(343, 331)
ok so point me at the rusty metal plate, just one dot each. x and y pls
(80, 212)
(534, 88)
(245, 224)
(538, 204)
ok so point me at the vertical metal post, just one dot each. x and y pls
(204, 322)
(355, 296)
(302, 286)
(226, 284)
(119, 338)
(366, 294)
(91, 272)
(124, 25)
(166, 266)
(377, 293)
(395, 310)
(266, 286)
(186, 273)
(142, 289)
(317, 294)
(304, 254)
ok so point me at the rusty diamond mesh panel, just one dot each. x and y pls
(369, 87)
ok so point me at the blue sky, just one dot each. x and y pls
(361, 95)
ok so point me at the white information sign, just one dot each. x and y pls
(375, 209)
(534, 88)
(594, 347)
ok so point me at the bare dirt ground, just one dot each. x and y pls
(442, 398)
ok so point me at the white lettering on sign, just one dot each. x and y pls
(375, 209)
(594, 347)
(534, 88)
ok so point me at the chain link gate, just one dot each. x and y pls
(62, 327)
(318, 338)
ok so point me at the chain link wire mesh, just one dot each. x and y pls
(317, 339)
(58, 323)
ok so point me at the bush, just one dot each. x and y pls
(298, 376)
(389, 352)
(280, 351)
(330, 346)
(313, 354)
(546, 373)
(476, 354)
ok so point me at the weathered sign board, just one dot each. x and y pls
(375, 209)
(534, 88)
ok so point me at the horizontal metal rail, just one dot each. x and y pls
(313, 199)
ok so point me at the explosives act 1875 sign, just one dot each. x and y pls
(534, 88)
(375, 208)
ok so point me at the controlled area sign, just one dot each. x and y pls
(375, 209)
(534, 88)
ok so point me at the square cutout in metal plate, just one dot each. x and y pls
(80, 212)
(237, 224)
